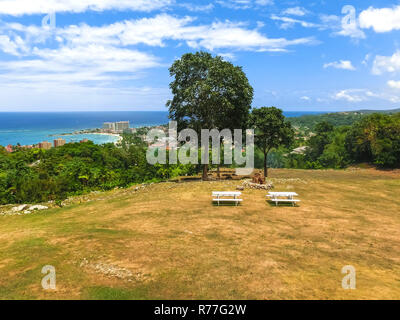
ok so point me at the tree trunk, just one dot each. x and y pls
(205, 172)
(220, 161)
(265, 164)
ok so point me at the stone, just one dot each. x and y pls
(19, 208)
(38, 207)
(257, 186)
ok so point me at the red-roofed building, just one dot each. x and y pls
(9, 148)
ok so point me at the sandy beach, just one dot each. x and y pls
(110, 134)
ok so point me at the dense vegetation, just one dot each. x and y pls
(308, 122)
(42, 175)
(374, 139)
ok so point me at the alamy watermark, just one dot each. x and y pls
(49, 280)
(349, 281)
(184, 147)
(50, 21)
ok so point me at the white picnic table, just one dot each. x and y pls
(227, 196)
(283, 197)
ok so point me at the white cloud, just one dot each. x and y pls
(352, 32)
(156, 31)
(342, 64)
(233, 35)
(68, 65)
(381, 20)
(362, 95)
(264, 2)
(228, 56)
(197, 8)
(244, 4)
(351, 95)
(101, 60)
(394, 84)
(296, 11)
(28, 7)
(341, 26)
(384, 64)
(305, 98)
(10, 46)
(287, 22)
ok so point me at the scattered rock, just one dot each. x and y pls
(240, 188)
(37, 207)
(256, 186)
(19, 208)
(112, 270)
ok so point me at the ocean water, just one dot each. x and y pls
(28, 128)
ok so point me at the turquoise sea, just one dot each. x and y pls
(28, 128)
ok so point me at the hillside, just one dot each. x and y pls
(336, 118)
(167, 241)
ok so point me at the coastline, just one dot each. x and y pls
(110, 134)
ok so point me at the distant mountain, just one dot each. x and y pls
(392, 111)
(337, 118)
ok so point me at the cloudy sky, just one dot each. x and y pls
(58, 55)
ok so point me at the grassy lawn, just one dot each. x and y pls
(168, 241)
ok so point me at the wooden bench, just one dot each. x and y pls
(278, 197)
(227, 196)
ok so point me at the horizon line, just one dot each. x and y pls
(96, 111)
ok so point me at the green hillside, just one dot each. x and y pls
(336, 118)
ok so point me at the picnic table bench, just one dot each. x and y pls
(283, 197)
(227, 196)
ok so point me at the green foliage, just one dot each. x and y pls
(209, 93)
(271, 130)
(29, 176)
(375, 139)
(323, 137)
(336, 119)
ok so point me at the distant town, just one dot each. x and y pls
(114, 128)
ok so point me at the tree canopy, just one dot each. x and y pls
(271, 130)
(209, 93)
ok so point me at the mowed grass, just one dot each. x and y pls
(177, 245)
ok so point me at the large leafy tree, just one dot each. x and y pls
(209, 93)
(271, 130)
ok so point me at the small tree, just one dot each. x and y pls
(271, 130)
(209, 93)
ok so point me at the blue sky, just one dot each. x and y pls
(59, 55)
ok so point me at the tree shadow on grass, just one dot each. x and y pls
(282, 204)
(225, 204)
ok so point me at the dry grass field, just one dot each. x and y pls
(167, 241)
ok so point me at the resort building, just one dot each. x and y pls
(84, 141)
(59, 142)
(9, 148)
(116, 127)
(45, 145)
(109, 126)
(122, 126)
